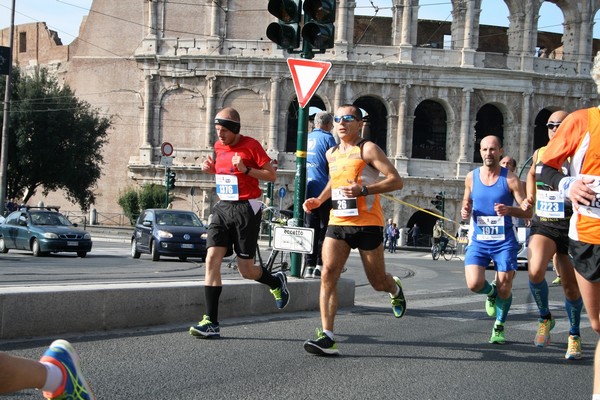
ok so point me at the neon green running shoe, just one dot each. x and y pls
(398, 302)
(542, 337)
(573, 348)
(497, 334)
(323, 345)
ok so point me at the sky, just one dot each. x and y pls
(65, 16)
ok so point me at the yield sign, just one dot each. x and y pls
(307, 76)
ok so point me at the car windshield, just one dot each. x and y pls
(178, 219)
(49, 218)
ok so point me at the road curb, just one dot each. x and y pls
(52, 310)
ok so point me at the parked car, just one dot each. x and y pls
(171, 233)
(43, 230)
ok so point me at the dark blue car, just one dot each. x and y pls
(171, 233)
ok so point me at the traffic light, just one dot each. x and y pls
(172, 179)
(4, 60)
(318, 29)
(439, 202)
(285, 32)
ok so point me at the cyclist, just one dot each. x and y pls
(439, 236)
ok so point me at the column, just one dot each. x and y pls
(523, 141)
(152, 28)
(401, 128)
(274, 116)
(341, 21)
(210, 109)
(468, 53)
(464, 126)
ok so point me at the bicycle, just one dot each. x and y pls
(449, 252)
(278, 260)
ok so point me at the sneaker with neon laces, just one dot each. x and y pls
(557, 281)
(74, 385)
(206, 329)
(281, 294)
(323, 345)
(497, 334)
(542, 337)
(573, 348)
(490, 303)
(398, 302)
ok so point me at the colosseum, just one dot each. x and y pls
(430, 90)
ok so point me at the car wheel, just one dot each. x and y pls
(81, 254)
(182, 258)
(35, 248)
(155, 254)
(134, 252)
(3, 248)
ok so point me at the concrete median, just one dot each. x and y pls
(51, 310)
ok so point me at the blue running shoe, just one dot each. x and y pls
(398, 302)
(205, 329)
(281, 294)
(74, 385)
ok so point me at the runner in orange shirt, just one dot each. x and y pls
(578, 137)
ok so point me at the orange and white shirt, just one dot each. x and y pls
(355, 211)
(578, 137)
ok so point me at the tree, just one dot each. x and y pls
(55, 140)
(134, 201)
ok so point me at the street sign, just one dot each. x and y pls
(307, 76)
(166, 161)
(294, 239)
(282, 192)
(166, 149)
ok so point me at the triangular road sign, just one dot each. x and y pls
(307, 76)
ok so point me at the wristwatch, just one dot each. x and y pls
(247, 170)
(364, 191)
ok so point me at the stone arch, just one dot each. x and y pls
(180, 119)
(376, 126)
(489, 121)
(247, 101)
(430, 130)
(292, 120)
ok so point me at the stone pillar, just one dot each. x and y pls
(528, 47)
(465, 133)
(468, 53)
(406, 33)
(341, 21)
(402, 128)
(152, 28)
(523, 142)
(274, 116)
(210, 110)
(214, 19)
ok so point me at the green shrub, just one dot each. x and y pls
(133, 201)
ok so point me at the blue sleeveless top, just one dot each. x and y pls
(484, 197)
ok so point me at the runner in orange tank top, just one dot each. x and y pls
(356, 220)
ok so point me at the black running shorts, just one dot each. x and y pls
(586, 258)
(234, 225)
(560, 236)
(361, 237)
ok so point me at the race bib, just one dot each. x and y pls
(593, 210)
(343, 206)
(489, 228)
(227, 187)
(549, 204)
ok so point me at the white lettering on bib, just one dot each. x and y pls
(227, 187)
(549, 204)
(489, 228)
(343, 206)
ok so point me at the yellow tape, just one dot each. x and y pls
(301, 154)
(415, 207)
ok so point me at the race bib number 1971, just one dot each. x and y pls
(489, 228)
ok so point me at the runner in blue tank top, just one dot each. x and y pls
(488, 190)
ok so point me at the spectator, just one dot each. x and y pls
(414, 233)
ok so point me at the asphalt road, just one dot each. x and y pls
(438, 350)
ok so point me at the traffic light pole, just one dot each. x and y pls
(167, 171)
(300, 181)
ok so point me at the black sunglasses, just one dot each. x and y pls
(552, 125)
